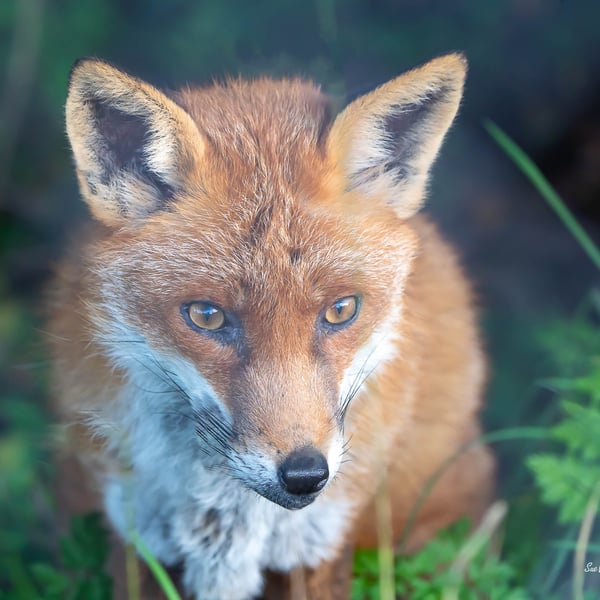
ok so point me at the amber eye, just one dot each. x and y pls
(342, 310)
(206, 316)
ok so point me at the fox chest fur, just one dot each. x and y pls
(259, 337)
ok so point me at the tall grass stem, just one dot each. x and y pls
(157, 569)
(492, 520)
(585, 532)
(537, 178)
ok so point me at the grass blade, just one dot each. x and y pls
(532, 172)
(583, 540)
(157, 569)
(489, 525)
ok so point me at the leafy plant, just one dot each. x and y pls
(431, 574)
(80, 574)
(568, 477)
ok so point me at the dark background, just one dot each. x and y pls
(534, 70)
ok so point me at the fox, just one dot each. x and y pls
(258, 339)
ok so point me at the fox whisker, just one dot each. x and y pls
(359, 379)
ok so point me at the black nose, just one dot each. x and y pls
(304, 471)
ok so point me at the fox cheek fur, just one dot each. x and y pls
(256, 309)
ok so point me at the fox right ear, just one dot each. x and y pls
(385, 142)
(133, 146)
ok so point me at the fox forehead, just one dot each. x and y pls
(265, 256)
(263, 135)
(265, 172)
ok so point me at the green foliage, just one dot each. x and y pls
(80, 574)
(568, 474)
(567, 471)
(429, 574)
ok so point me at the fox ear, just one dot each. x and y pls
(133, 146)
(386, 141)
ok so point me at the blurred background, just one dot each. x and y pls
(534, 70)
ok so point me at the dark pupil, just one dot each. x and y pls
(340, 306)
(208, 313)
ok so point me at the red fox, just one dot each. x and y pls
(258, 335)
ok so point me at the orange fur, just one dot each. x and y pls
(245, 195)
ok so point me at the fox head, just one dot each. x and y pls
(255, 252)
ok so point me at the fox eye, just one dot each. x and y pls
(205, 316)
(342, 311)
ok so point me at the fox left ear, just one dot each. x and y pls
(134, 148)
(386, 141)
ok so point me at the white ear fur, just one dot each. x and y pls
(386, 141)
(133, 146)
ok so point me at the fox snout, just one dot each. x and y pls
(293, 483)
(301, 475)
(304, 471)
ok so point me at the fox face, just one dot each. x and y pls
(255, 255)
(276, 332)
